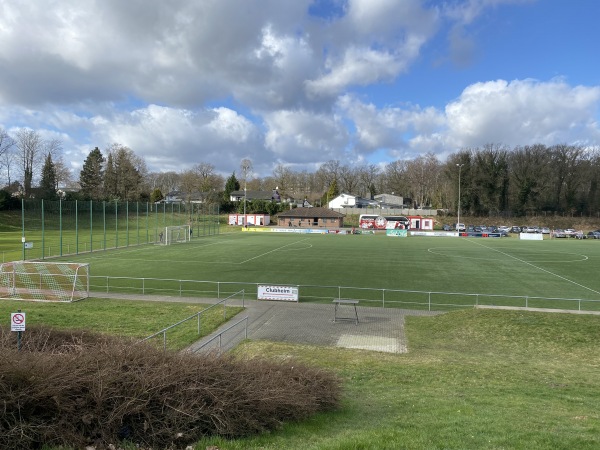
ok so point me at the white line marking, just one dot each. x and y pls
(533, 265)
(274, 250)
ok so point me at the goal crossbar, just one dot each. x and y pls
(175, 234)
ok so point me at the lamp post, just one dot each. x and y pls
(458, 209)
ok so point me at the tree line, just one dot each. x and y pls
(494, 179)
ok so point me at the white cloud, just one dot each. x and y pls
(301, 137)
(175, 139)
(523, 112)
(186, 81)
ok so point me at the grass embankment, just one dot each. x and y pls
(472, 380)
(130, 318)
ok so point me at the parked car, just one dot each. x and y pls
(503, 228)
(447, 227)
(515, 229)
(459, 226)
(593, 234)
(570, 231)
(579, 235)
(545, 230)
(558, 233)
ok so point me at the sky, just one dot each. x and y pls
(299, 82)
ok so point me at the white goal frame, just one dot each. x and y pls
(175, 234)
(44, 281)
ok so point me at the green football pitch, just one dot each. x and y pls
(368, 267)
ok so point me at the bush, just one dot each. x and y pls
(78, 388)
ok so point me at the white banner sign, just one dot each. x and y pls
(284, 293)
(531, 236)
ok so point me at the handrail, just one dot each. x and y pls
(198, 315)
(221, 334)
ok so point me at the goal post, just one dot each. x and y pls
(175, 234)
(44, 281)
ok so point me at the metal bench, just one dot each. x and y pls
(340, 301)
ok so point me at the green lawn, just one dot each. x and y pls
(130, 318)
(320, 264)
(472, 379)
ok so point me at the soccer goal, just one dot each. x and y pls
(44, 281)
(174, 235)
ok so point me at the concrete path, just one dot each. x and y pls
(378, 329)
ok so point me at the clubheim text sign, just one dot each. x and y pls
(283, 293)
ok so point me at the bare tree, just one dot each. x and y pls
(394, 175)
(30, 146)
(7, 145)
(189, 183)
(284, 180)
(64, 176)
(348, 179)
(328, 172)
(367, 176)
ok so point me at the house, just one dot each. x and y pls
(351, 201)
(238, 196)
(310, 218)
(389, 201)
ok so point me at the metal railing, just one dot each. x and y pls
(219, 336)
(378, 297)
(197, 315)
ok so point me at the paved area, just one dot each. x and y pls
(378, 329)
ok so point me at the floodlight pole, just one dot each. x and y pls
(246, 167)
(458, 214)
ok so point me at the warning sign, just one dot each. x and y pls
(17, 321)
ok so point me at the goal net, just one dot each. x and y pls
(175, 234)
(44, 281)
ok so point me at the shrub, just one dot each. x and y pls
(79, 388)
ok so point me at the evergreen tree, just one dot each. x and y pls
(156, 195)
(331, 193)
(110, 179)
(91, 177)
(48, 186)
(231, 185)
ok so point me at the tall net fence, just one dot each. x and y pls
(49, 229)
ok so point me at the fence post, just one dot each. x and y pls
(218, 289)
(107, 281)
(383, 297)
(339, 292)
(165, 341)
(477, 300)
(180, 288)
(429, 301)
(143, 286)
(527, 302)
